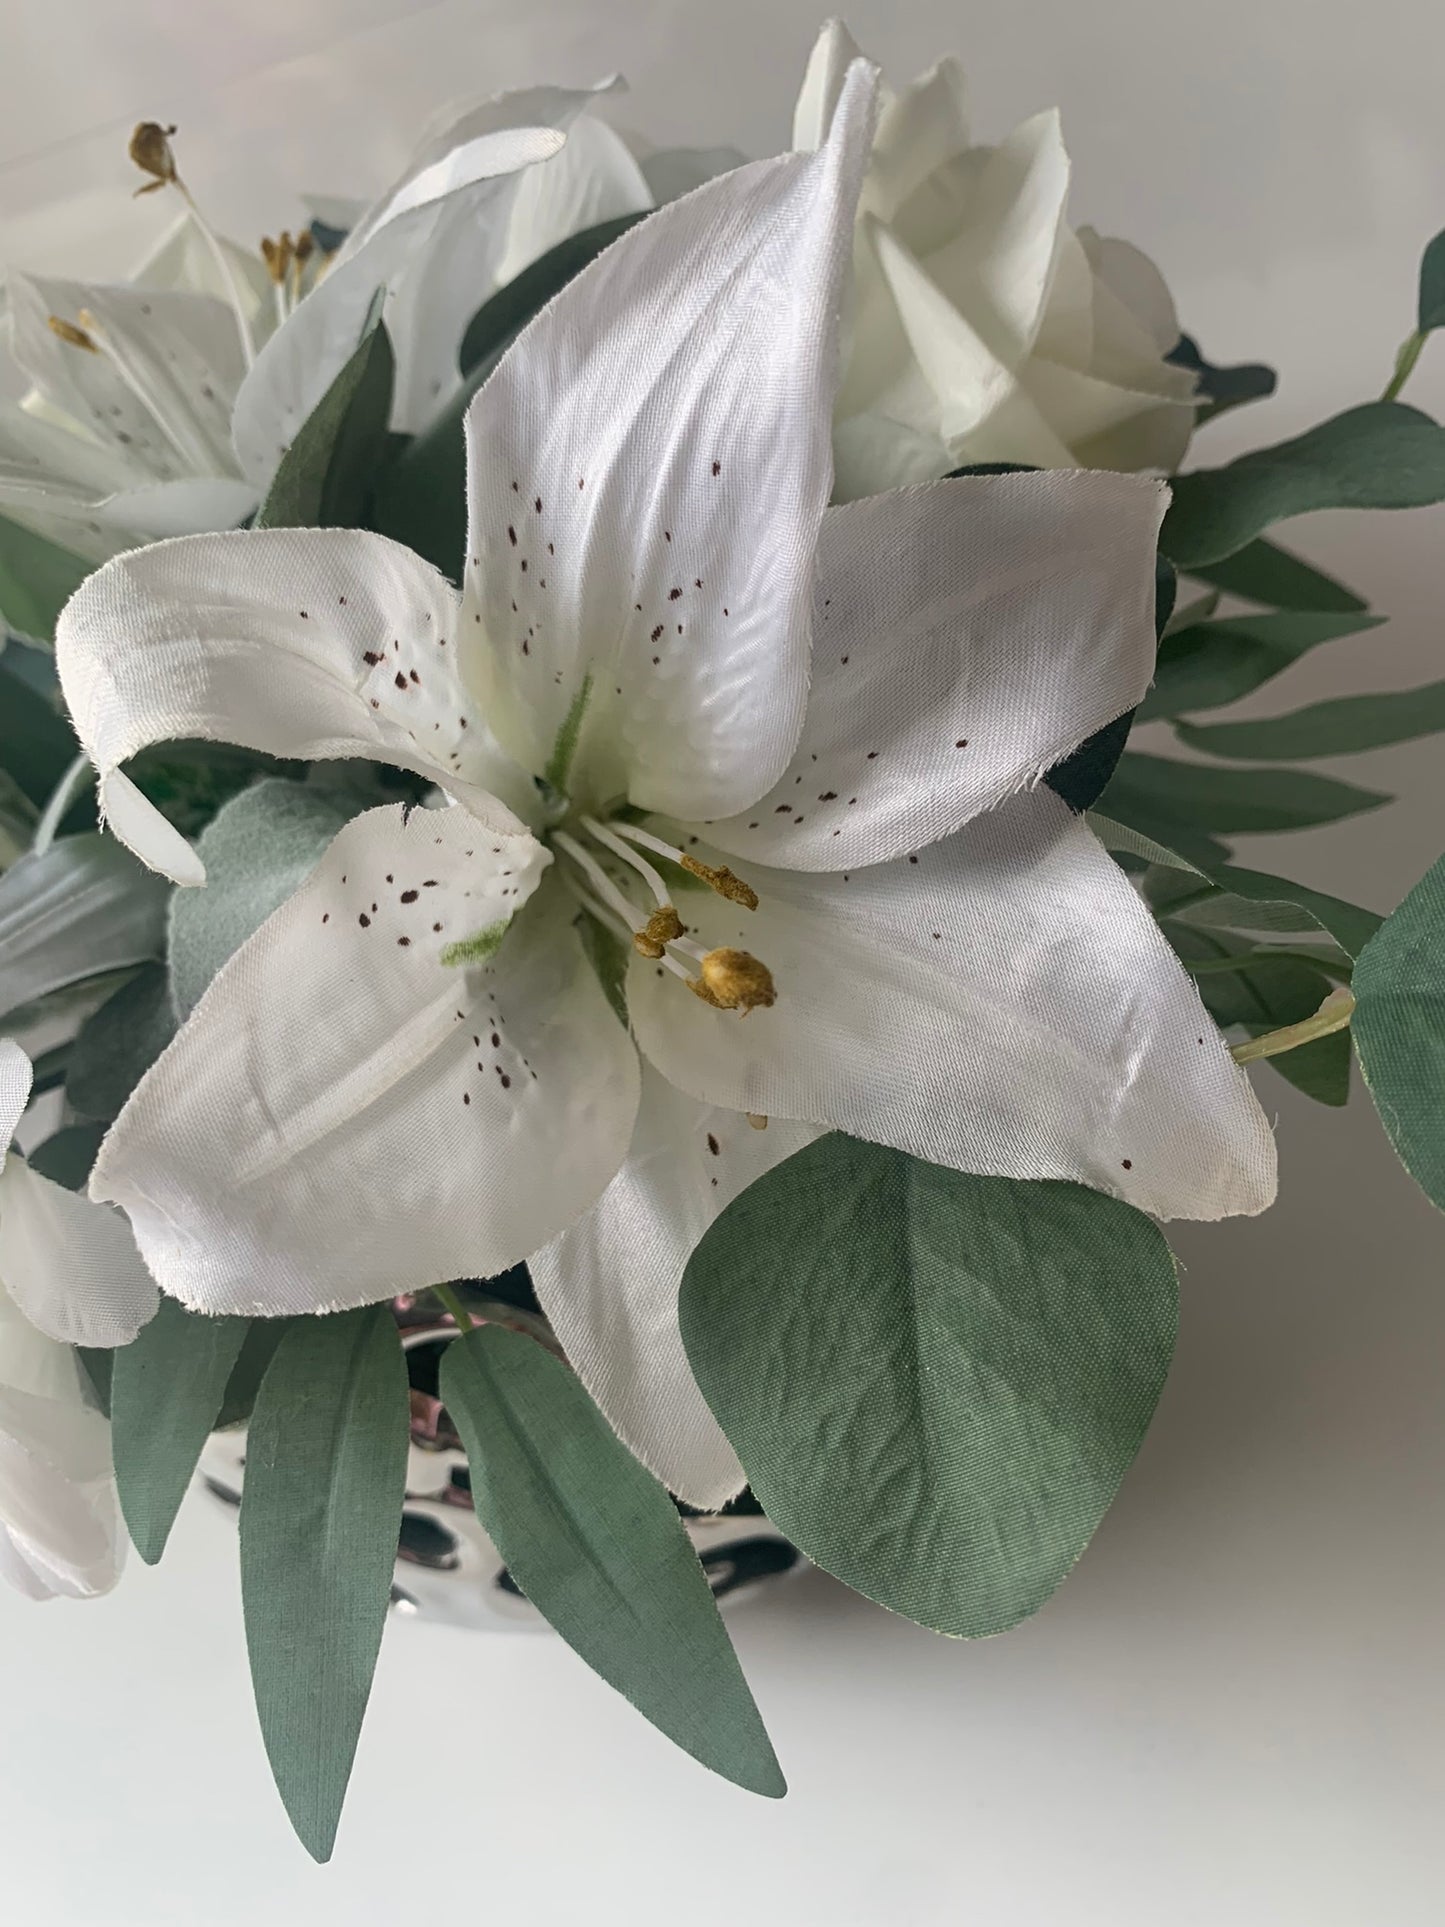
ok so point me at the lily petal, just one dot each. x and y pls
(71, 1266)
(647, 470)
(313, 643)
(59, 1523)
(16, 1077)
(76, 910)
(346, 1115)
(1003, 1003)
(609, 1284)
(967, 635)
(455, 185)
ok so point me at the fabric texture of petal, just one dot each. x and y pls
(609, 1284)
(71, 1266)
(967, 635)
(1002, 1003)
(346, 1114)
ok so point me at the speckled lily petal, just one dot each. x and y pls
(1003, 1004)
(71, 1266)
(647, 471)
(346, 1114)
(301, 642)
(967, 635)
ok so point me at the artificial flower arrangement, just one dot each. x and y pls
(609, 679)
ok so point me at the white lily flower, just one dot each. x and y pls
(986, 328)
(69, 1274)
(145, 419)
(669, 656)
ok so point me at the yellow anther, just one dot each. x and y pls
(648, 947)
(277, 256)
(665, 925)
(67, 330)
(734, 980)
(150, 149)
(304, 246)
(723, 881)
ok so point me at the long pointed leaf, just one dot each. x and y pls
(1342, 727)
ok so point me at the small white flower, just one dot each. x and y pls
(985, 328)
(69, 1274)
(162, 407)
(670, 657)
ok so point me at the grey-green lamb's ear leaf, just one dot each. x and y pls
(1213, 663)
(119, 1043)
(326, 477)
(1175, 802)
(80, 909)
(1263, 572)
(935, 1382)
(1399, 1029)
(1431, 305)
(37, 578)
(320, 1520)
(1221, 389)
(166, 1390)
(258, 851)
(1381, 455)
(596, 1544)
(1340, 727)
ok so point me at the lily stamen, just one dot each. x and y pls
(731, 979)
(719, 877)
(151, 150)
(610, 840)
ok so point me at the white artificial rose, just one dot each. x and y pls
(985, 328)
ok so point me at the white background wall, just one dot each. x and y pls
(1231, 1713)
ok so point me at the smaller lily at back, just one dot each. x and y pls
(743, 839)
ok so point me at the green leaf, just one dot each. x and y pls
(1381, 455)
(1341, 727)
(936, 1382)
(258, 1348)
(1320, 1069)
(1179, 800)
(1261, 572)
(68, 1155)
(320, 1519)
(1255, 991)
(421, 499)
(258, 851)
(1221, 389)
(1213, 663)
(119, 1043)
(501, 318)
(165, 1393)
(1431, 306)
(325, 478)
(1399, 1029)
(1082, 776)
(37, 745)
(37, 578)
(596, 1544)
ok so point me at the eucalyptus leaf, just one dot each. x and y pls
(37, 578)
(1381, 455)
(935, 1382)
(1172, 800)
(1260, 992)
(1213, 663)
(597, 1546)
(326, 476)
(1399, 1029)
(1263, 572)
(77, 910)
(320, 1519)
(258, 851)
(501, 318)
(1430, 309)
(1340, 727)
(1221, 389)
(118, 1044)
(165, 1393)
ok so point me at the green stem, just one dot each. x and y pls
(1333, 1014)
(464, 1320)
(1404, 361)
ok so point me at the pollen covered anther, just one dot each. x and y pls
(67, 330)
(734, 980)
(150, 149)
(722, 880)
